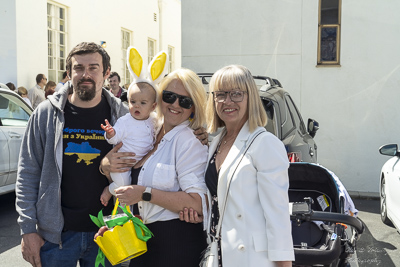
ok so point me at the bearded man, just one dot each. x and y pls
(58, 181)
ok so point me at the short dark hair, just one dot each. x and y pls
(65, 74)
(112, 74)
(39, 78)
(89, 48)
(11, 86)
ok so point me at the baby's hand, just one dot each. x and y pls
(110, 132)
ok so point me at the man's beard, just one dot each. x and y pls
(85, 93)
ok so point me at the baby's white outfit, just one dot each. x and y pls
(137, 136)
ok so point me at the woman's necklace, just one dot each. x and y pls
(222, 144)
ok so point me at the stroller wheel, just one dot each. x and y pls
(384, 216)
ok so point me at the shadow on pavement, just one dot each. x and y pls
(9, 235)
(373, 247)
(372, 252)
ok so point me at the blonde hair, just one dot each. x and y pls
(235, 77)
(192, 84)
(22, 91)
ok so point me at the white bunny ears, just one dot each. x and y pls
(156, 70)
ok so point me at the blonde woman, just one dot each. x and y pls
(171, 176)
(256, 229)
(24, 94)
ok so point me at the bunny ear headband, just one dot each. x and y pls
(156, 70)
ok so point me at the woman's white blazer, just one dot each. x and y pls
(256, 228)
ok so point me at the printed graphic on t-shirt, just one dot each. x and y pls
(83, 150)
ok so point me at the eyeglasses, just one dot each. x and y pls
(170, 98)
(235, 96)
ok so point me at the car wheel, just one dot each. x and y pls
(384, 216)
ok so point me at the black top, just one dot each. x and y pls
(135, 177)
(212, 175)
(84, 146)
(212, 185)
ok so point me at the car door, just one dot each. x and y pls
(4, 158)
(393, 191)
(302, 142)
(14, 116)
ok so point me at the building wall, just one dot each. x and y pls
(31, 41)
(355, 104)
(8, 52)
(91, 20)
(171, 28)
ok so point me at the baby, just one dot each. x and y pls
(136, 130)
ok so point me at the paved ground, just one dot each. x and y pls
(378, 246)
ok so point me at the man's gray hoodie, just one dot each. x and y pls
(40, 166)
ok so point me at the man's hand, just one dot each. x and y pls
(116, 161)
(202, 135)
(30, 248)
(190, 215)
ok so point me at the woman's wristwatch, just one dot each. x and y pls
(146, 196)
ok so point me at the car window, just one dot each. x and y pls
(287, 123)
(270, 109)
(295, 114)
(11, 111)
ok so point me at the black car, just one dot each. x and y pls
(284, 119)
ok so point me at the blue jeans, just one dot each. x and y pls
(76, 246)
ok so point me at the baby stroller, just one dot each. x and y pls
(323, 234)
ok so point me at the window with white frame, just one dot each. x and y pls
(126, 42)
(171, 55)
(56, 39)
(329, 32)
(151, 50)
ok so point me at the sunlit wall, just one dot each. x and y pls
(355, 103)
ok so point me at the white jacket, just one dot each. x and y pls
(256, 228)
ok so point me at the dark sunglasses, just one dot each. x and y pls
(170, 98)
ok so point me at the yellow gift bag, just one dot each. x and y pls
(125, 239)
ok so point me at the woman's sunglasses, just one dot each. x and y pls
(170, 98)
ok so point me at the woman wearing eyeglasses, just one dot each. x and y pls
(171, 176)
(255, 227)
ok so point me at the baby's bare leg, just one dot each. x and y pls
(105, 196)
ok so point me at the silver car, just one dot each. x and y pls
(14, 116)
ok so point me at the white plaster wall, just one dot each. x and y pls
(105, 21)
(171, 28)
(24, 22)
(356, 104)
(8, 52)
(31, 32)
(251, 33)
